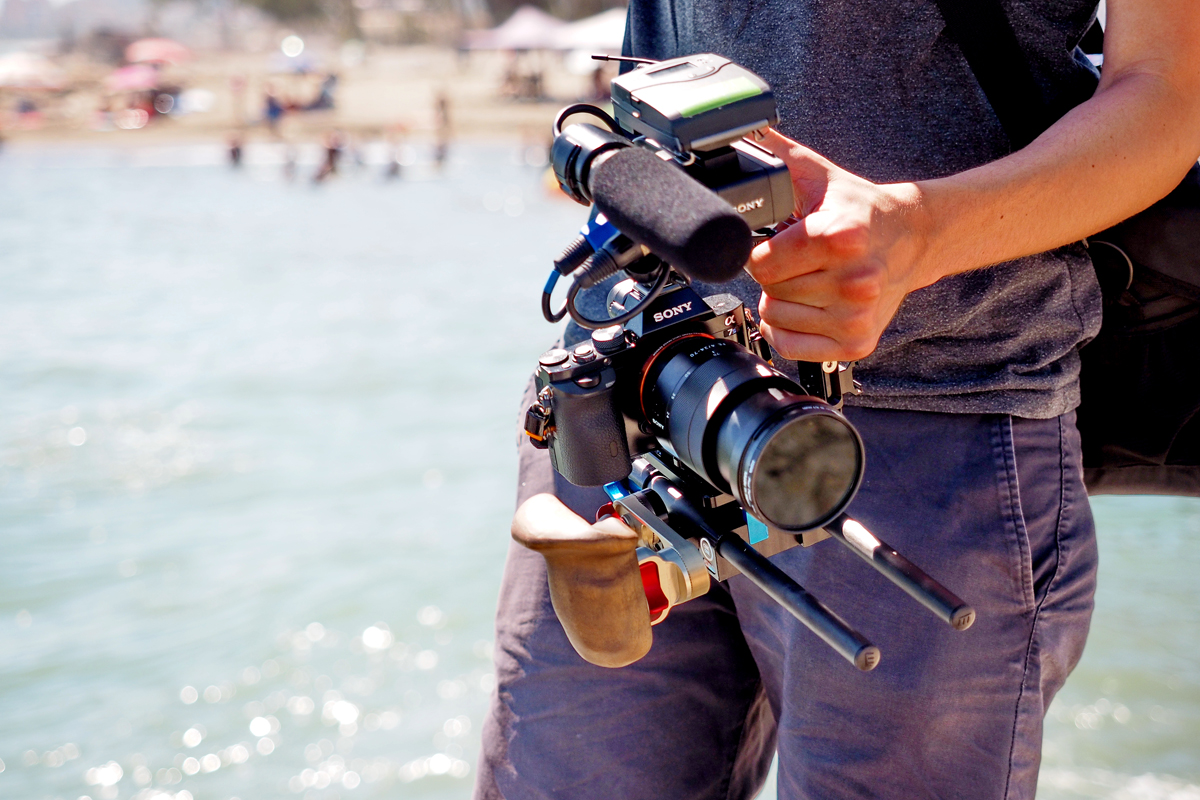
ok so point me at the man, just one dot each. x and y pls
(950, 268)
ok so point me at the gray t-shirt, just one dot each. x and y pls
(877, 87)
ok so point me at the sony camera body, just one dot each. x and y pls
(686, 389)
(598, 420)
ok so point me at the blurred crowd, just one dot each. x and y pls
(148, 86)
(318, 105)
(58, 87)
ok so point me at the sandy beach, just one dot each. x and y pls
(392, 90)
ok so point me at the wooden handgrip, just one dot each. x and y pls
(595, 584)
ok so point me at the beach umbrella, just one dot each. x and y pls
(156, 51)
(132, 78)
(603, 33)
(30, 71)
(528, 28)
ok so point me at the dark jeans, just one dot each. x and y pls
(993, 506)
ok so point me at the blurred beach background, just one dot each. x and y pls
(262, 342)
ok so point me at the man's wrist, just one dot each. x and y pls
(913, 235)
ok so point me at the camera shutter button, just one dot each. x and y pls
(584, 353)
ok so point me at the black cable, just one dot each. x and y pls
(584, 108)
(664, 277)
(574, 255)
(551, 316)
(600, 266)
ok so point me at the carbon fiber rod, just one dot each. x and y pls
(849, 643)
(902, 572)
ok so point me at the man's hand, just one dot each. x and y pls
(833, 280)
(836, 272)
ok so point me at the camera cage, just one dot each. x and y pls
(690, 531)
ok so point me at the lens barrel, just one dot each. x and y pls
(792, 460)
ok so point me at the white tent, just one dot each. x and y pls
(603, 33)
(30, 71)
(529, 28)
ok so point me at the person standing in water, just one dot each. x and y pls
(333, 152)
(441, 113)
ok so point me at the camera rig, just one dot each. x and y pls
(712, 455)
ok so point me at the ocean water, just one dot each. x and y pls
(256, 475)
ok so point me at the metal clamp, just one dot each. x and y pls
(673, 570)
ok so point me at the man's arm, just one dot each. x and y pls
(833, 280)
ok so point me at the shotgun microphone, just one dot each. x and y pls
(657, 204)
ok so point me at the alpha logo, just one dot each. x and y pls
(682, 308)
(749, 205)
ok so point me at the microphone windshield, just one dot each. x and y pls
(657, 204)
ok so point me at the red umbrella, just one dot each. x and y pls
(156, 51)
(133, 78)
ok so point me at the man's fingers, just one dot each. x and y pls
(793, 328)
(788, 254)
(802, 346)
(803, 163)
(817, 289)
(797, 317)
(822, 240)
(798, 346)
(810, 172)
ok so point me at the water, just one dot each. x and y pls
(256, 475)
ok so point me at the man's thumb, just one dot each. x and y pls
(809, 170)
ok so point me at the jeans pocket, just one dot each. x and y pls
(1016, 535)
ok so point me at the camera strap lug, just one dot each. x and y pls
(537, 426)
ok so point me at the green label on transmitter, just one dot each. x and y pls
(700, 97)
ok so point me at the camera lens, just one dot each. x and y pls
(792, 460)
